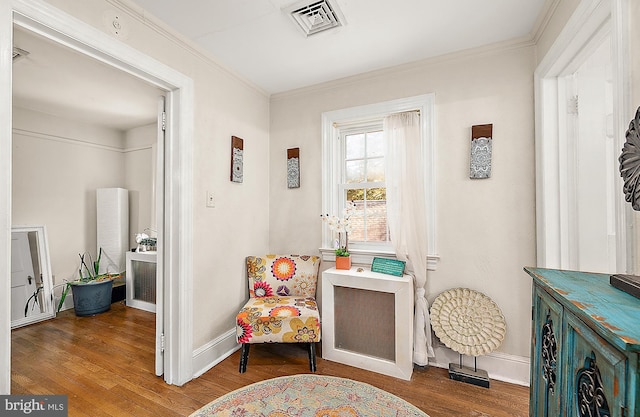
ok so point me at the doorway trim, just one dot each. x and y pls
(175, 249)
(590, 20)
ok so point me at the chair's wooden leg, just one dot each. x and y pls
(312, 356)
(244, 357)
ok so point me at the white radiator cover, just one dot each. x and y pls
(112, 233)
(367, 320)
(142, 280)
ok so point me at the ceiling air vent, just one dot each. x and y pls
(19, 54)
(314, 16)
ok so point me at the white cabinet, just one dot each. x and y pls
(367, 320)
(141, 280)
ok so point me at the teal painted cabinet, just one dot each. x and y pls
(585, 346)
(547, 336)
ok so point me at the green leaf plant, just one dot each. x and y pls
(86, 275)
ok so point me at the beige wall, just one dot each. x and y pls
(224, 106)
(57, 165)
(486, 228)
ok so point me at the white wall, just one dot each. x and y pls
(596, 166)
(139, 162)
(634, 47)
(57, 166)
(224, 105)
(634, 7)
(486, 228)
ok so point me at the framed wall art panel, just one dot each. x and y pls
(237, 150)
(293, 168)
(481, 150)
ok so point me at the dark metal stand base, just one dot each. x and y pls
(477, 377)
(627, 283)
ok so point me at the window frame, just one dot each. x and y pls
(331, 123)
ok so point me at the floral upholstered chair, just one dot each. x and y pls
(282, 304)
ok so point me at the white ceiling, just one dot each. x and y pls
(56, 80)
(261, 43)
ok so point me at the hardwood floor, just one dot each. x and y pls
(105, 364)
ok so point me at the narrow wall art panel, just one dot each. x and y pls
(481, 149)
(293, 168)
(237, 149)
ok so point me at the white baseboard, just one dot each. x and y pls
(214, 352)
(500, 366)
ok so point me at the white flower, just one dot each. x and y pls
(141, 236)
(341, 225)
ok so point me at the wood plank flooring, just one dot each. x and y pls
(105, 364)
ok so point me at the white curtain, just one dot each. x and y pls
(407, 216)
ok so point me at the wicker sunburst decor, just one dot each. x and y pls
(467, 321)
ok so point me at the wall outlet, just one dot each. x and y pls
(211, 202)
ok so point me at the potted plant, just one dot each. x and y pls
(341, 225)
(92, 290)
(343, 259)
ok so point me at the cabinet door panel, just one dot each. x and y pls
(546, 360)
(596, 373)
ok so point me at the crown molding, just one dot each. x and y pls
(548, 10)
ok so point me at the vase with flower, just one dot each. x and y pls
(342, 226)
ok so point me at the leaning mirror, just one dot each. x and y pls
(31, 279)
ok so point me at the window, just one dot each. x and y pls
(362, 182)
(353, 170)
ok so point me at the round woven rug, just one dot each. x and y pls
(309, 396)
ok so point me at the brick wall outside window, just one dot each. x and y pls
(376, 222)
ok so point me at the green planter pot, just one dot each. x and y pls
(92, 298)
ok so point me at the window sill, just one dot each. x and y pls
(365, 257)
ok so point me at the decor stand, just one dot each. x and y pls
(470, 323)
(469, 375)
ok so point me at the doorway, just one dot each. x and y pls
(592, 174)
(581, 116)
(80, 126)
(174, 251)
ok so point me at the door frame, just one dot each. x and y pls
(591, 19)
(175, 249)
